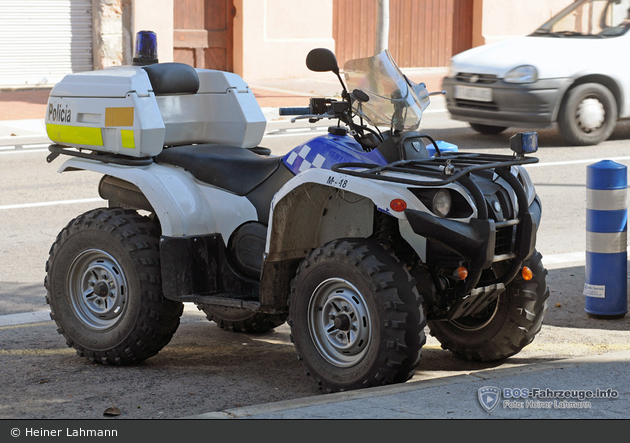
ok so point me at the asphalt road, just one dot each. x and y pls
(205, 369)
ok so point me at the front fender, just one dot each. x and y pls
(183, 205)
(315, 207)
(319, 205)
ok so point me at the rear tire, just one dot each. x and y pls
(355, 315)
(242, 320)
(505, 327)
(103, 285)
(487, 129)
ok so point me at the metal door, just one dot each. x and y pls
(422, 33)
(203, 33)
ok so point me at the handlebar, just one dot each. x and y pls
(295, 111)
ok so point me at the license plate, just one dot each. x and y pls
(473, 93)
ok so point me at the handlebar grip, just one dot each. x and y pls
(295, 111)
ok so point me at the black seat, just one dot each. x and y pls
(234, 169)
(172, 78)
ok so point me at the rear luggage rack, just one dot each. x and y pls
(103, 157)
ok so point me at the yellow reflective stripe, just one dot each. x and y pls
(126, 136)
(78, 135)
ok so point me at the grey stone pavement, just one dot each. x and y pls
(571, 395)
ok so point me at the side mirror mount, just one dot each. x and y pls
(322, 60)
(524, 143)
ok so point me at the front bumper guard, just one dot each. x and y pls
(475, 242)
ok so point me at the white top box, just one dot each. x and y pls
(119, 110)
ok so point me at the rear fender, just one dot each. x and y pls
(184, 206)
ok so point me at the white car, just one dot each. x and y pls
(573, 70)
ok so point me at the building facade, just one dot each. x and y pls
(42, 40)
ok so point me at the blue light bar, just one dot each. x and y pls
(146, 48)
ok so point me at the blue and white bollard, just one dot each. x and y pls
(605, 289)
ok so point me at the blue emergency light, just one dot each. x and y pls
(146, 48)
(524, 143)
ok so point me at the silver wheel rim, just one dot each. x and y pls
(98, 289)
(339, 322)
(590, 114)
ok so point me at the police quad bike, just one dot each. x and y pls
(359, 237)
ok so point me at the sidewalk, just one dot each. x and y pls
(457, 397)
(30, 104)
(22, 112)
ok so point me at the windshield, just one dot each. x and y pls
(392, 101)
(589, 18)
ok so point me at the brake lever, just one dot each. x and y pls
(315, 117)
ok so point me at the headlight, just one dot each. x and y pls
(442, 203)
(522, 74)
(451, 71)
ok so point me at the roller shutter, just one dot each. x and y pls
(43, 40)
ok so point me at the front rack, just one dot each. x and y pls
(445, 169)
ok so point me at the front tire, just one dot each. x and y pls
(505, 327)
(588, 115)
(103, 286)
(356, 318)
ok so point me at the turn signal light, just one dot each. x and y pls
(460, 273)
(527, 273)
(398, 205)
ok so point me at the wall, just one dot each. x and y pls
(156, 16)
(111, 22)
(116, 22)
(273, 37)
(502, 19)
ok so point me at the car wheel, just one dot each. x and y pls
(487, 129)
(588, 115)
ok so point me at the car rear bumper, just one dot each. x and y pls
(521, 105)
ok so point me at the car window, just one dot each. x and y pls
(590, 19)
